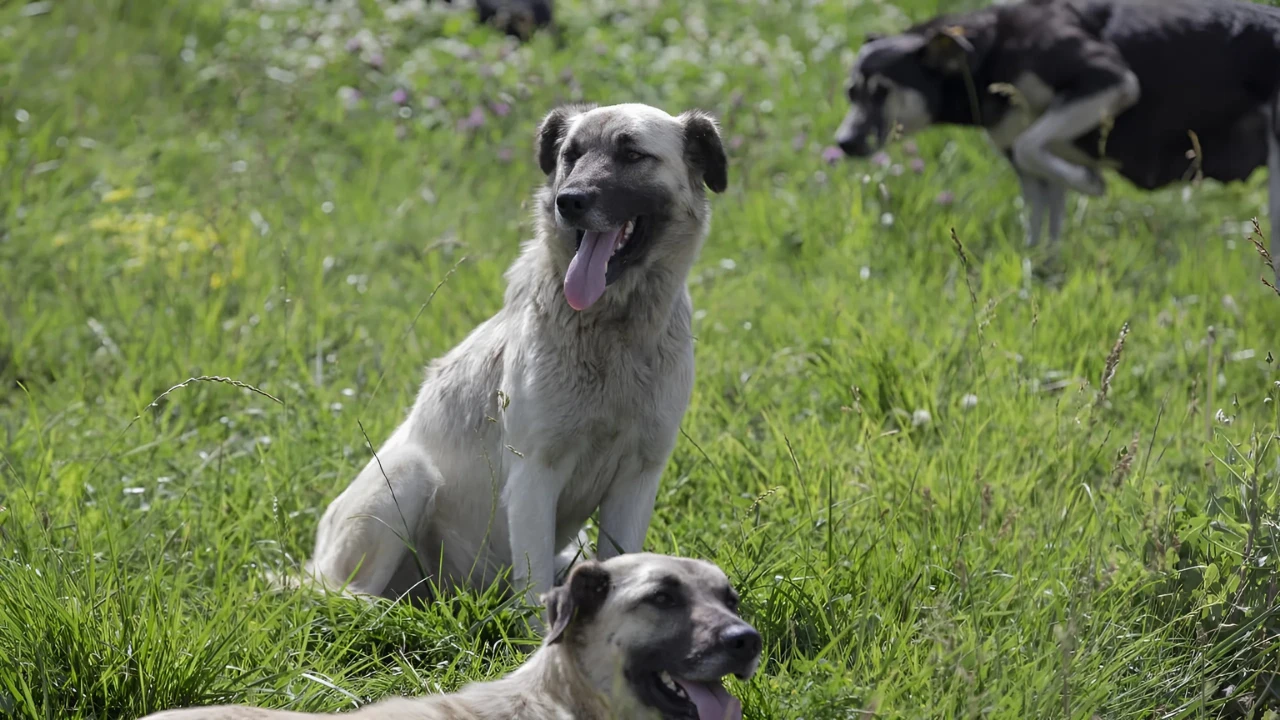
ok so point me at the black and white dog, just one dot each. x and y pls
(1159, 90)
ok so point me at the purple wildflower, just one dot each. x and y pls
(917, 165)
(910, 147)
(832, 154)
(881, 159)
(504, 155)
(400, 96)
(350, 97)
(474, 120)
(736, 141)
(353, 45)
(376, 61)
(797, 142)
(946, 197)
(500, 108)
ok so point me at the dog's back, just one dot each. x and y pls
(1206, 66)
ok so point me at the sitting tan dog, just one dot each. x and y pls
(636, 637)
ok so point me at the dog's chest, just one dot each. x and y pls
(602, 415)
(1027, 98)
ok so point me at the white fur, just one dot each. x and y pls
(1033, 97)
(539, 417)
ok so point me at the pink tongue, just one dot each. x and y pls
(713, 701)
(584, 283)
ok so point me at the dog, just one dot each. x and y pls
(637, 637)
(517, 18)
(566, 401)
(1160, 90)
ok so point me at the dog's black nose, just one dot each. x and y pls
(742, 642)
(853, 146)
(574, 204)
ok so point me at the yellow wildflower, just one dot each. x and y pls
(117, 195)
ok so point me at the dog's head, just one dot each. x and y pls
(897, 83)
(656, 630)
(624, 194)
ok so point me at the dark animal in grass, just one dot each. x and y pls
(1161, 91)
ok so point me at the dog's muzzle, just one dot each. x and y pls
(573, 205)
(857, 135)
(738, 650)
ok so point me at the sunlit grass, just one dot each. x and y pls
(904, 458)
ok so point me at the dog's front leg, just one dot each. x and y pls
(531, 496)
(1055, 196)
(1033, 197)
(1032, 151)
(625, 514)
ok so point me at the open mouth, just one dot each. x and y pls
(681, 698)
(599, 260)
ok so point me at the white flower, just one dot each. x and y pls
(921, 417)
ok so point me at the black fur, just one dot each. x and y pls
(551, 135)
(578, 599)
(703, 150)
(518, 18)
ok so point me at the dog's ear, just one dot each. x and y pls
(703, 150)
(947, 49)
(551, 132)
(579, 598)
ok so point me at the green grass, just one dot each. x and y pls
(185, 191)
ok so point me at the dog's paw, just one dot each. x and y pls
(1089, 182)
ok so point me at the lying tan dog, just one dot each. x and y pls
(636, 637)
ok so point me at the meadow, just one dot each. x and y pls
(952, 476)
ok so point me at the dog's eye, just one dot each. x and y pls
(633, 156)
(732, 603)
(662, 600)
(571, 156)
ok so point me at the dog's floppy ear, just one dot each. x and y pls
(580, 597)
(703, 150)
(551, 134)
(947, 49)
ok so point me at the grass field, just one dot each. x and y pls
(947, 483)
